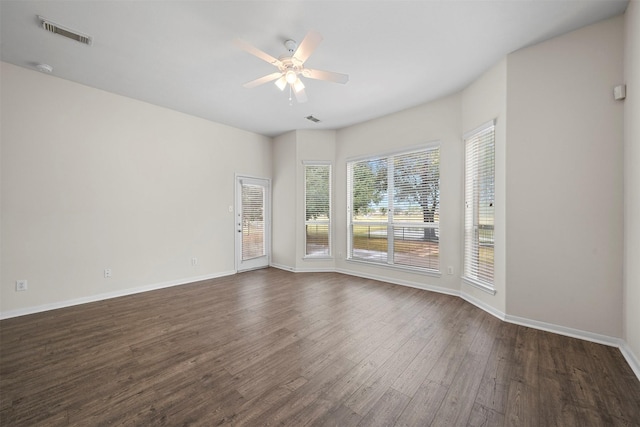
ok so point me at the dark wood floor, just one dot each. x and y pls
(270, 347)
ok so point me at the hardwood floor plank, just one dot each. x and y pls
(274, 347)
(422, 408)
(411, 378)
(493, 390)
(522, 405)
(556, 406)
(356, 377)
(366, 396)
(311, 413)
(523, 398)
(286, 410)
(249, 412)
(461, 394)
(386, 410)
(339, 416)
(447, 365)
(485, 417)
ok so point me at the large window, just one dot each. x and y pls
(479, 191)
(393, 209)
(317, 199)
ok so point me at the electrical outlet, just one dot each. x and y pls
(450, 270)
(194, 261)
(107, 273)
(21, 285)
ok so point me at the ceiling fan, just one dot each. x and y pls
(291, 66)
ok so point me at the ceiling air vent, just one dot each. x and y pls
(64, 31)
(312, 119)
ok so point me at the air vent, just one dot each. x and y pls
(312, 119)
(64, 31)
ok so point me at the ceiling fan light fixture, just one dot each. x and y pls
(298, 85)
(291, 77)
(281, 83)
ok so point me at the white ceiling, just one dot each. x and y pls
(179, 54)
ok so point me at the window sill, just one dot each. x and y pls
(479, 285)
(317, 258)
(397, 267)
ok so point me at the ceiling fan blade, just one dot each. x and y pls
(307, 46)
(257, 52)
(301, 96)
(262, 80)
(325, 75)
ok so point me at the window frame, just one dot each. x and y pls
(328, 222)
(389, 223)
(467, 274)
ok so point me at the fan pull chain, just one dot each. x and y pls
(290, 99)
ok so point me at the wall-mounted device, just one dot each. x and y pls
(620, 92)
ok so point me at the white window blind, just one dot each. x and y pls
(479, 205)
(415, 212)
(253, 231)
(317, 178)
(393, 209)
(367, 181)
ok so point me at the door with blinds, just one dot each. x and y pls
(252, 223)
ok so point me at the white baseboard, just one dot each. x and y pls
(282, 267)
(315, 270)
(566, 331)
(395, 281)
(631, 358)
(303, 270)
(109, 295)
(482, 305)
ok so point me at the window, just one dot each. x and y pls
(317, 200)
(479, 191)
(252, 221)
(393, 209)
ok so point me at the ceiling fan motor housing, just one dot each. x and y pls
(291, 45)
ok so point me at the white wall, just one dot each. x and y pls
(436, 121)
(485, 100)
(632, 180)
(93, 180)
(564, 187)
(284, 189)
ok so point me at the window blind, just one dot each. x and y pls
(415, 211)
(479, 205)
(368, 214)
(393, 209)
(317, 179)
(253, 242)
